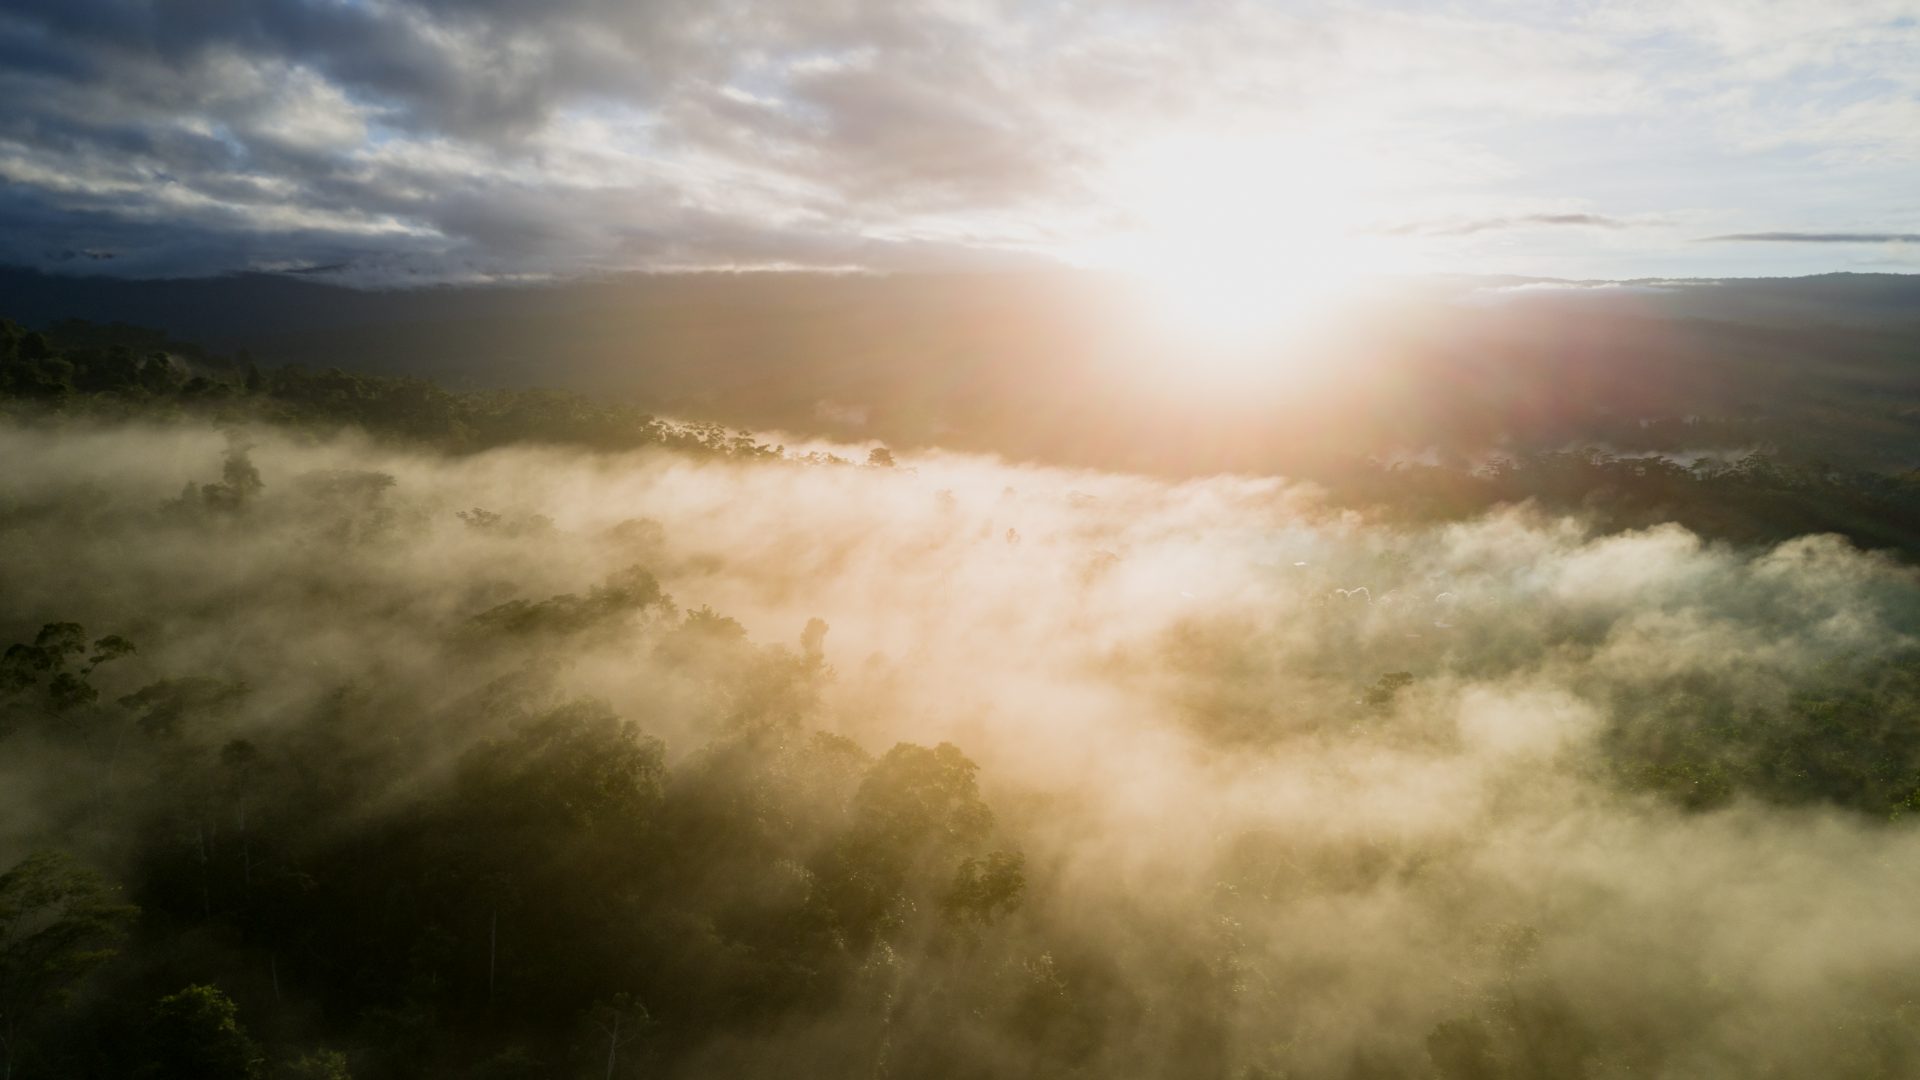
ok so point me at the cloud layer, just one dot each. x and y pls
(421, 137)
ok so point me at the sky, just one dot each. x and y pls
(391, 141)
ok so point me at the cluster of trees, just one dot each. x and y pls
(1846, 736)
(1849, 739)
(329, 895)
(511, 883)
(120, 372)
(271, 866)
(1762, 497)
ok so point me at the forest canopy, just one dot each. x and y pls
(350, 726)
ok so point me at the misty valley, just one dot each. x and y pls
(354, 726)
(959, 540)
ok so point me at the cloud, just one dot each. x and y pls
(1492, 295)
(584, 138)
(1167, 689)
(1816, 238)
(1468, 227)
(503, 138)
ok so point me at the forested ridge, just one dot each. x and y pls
(1766, 488)
(354, 727)
(79, 370)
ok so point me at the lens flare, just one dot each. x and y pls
(1240, 241)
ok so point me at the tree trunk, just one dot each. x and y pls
(206, 894)
(246, 852)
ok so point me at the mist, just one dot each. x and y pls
(1272, 788)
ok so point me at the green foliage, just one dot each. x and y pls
(917, 796)
(195, 1034)
(916, 818)
(627, 593)
(48, 681)
(1850, 739)
(58, 922)
(485, 875)
(1765, 496)
(577, 768)
(119, 372)
(986, 888)
(315, 1065)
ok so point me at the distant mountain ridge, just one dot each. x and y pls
(232, 308)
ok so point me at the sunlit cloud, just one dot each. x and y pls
(460, 140)
(1166, 688)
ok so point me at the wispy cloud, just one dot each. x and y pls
(1469, 226)
(1816, 238)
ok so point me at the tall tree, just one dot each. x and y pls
(58, 921)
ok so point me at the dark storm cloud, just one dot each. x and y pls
(1816, 238)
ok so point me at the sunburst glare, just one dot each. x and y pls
(1238, 239)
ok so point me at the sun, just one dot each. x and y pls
(1239, 240)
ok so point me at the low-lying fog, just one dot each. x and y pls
(1401, 800)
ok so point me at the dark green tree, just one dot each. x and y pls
(195, 1034)
(315, 1065)
(58, 921)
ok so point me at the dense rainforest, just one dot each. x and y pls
(351, 726)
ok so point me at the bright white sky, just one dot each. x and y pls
(1267, 142)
